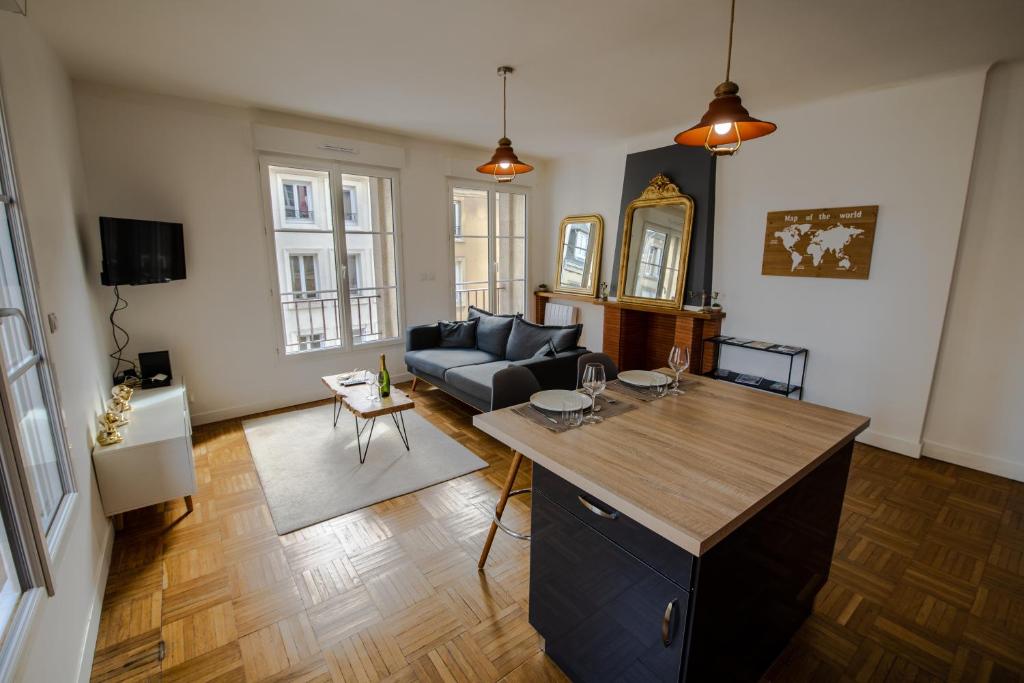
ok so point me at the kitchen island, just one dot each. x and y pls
(686, 539)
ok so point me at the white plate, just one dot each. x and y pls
(557, 400)
(644, 378)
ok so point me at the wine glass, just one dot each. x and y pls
(679, 361)
(372, 388)
(594, 383)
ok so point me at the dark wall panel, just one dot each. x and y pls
(693, 170)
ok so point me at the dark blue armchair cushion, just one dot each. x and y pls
(457, 335)
(526, 338)
(492, 330)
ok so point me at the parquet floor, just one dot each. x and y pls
(927, 582)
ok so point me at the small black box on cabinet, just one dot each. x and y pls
(153, 364)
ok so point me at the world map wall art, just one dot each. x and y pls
(820, 242)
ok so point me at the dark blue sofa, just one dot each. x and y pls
(465, 372)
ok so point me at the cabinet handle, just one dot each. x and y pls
(596, 510)
(667, 622)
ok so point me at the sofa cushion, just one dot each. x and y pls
(546, 350)
(475, 380)
(457, 335)
(492, 330)
(526, 338)
(436, 361)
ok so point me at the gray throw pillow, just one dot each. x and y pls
(526, 338)
(492, 330)
(457, 335)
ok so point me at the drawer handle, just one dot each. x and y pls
(596, 510)
(667, 623)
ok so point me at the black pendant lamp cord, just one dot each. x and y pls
(732, 21)
(504, 104)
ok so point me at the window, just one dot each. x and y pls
(320, 306)
(489, 240)
(36, 483)
(351, 201)
(659, 249)
(304, 280)
(457, 218)
(308, 342)
(298, 201)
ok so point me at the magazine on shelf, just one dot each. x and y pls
(759, 345)
(721, 372)
(738, 341)
(782, 348)
(748, 379)
(779, 386)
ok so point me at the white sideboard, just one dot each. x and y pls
(154, 462)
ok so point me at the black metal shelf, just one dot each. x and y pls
(763, 383)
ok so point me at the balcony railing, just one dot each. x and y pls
(311, 318)
(469, 294)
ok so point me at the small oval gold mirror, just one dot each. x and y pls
(579, 254)
(656, 245)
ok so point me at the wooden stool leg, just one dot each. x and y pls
(510, 481)
(188, 503)
(414, 380)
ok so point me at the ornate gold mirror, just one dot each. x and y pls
(656, 245)
(579, 254)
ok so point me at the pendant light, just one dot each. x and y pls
(727, 123)
(504, 165)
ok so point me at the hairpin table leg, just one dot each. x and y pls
(359, 433)
(402, 431)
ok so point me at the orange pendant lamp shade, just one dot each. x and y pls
(504, 165)
(727, 123)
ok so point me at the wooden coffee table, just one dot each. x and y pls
(368, 409)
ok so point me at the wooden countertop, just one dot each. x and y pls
(691, 468)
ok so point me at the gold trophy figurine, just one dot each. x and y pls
(109, 435)
(119, 406)
(123, 392)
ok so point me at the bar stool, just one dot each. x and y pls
(509, 387)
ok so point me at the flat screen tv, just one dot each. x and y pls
(141, 252)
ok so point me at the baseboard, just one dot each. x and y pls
(89, 648)
(976, 461)
(317, 394)
(891, 443)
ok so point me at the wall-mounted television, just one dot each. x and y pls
(139, 252)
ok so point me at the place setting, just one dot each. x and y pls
(651, 385)
(560, 410)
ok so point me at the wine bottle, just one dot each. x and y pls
(384, 379)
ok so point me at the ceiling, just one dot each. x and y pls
(587, 71)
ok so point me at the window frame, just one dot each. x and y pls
(298, 220)
(492, 189)
(34, 549)
(335, 170)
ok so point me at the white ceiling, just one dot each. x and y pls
(587, 71)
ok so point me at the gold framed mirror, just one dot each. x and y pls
(656, 246)
(578, 266)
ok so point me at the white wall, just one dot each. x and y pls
(173, 159)
(873, 343)
(978, 396)
(42, 125)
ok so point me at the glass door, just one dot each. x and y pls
(488, 232)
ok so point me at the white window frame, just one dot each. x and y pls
(34, 549)
(301, 255)
(457, 219)
(335, 169)
(298, 220)
(353, 192)
(492, 189)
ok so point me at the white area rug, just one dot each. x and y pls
(311, 472)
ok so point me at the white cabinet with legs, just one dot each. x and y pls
(154, 462)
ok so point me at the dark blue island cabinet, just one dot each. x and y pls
(616, 602)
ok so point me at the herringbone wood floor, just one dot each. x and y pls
(927, 581)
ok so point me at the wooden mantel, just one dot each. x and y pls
(639, 337)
